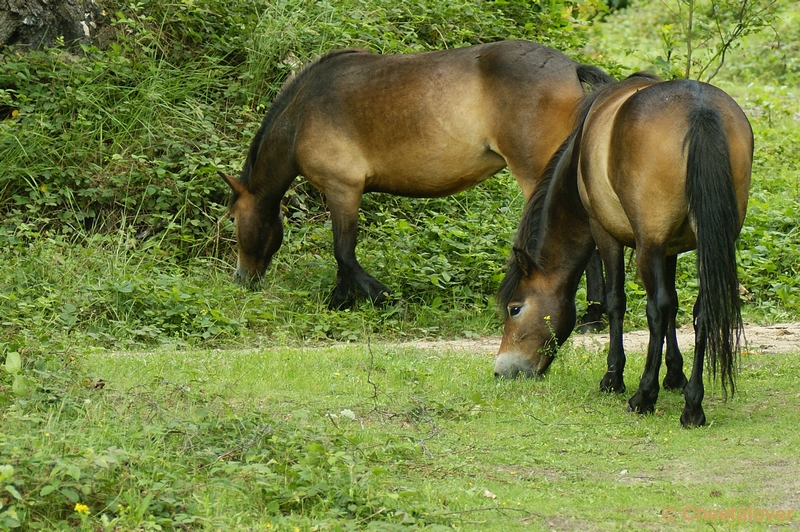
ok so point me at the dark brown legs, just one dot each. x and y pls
(614, 260)
(351, 276)
(693, 415)
(653, 270)
(592, 321)
(658, 275)
(675, 380)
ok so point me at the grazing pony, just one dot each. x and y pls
(659, 166)
(421, 125)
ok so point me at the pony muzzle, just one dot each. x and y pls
(512, 365)
(246, 278)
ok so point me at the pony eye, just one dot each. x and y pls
(513, 310)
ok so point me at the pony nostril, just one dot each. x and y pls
(509, 375)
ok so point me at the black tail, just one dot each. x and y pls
(713, 208)
(593, 76)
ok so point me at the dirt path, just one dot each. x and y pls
(778, 338)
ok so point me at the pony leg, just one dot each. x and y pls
(350, 276)
(592, 321)
(653, 271)
(693, 415)
(675, 380)
(614, 259)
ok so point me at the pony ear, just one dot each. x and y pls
(524, 261)
(236, 185)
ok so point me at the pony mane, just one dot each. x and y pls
(646, 75)
(288, 91)
(528, 237)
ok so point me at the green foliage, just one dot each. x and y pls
(103, 141)
(772, 56)
(700, 35)
(769, 254)
(703, 39)
(180, 450)
(378, 439)
(108, 301)
(113, 236)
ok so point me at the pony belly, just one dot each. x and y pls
(434, 178)
(605, 209)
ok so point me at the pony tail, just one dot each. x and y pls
(593, 76)
(714, 211)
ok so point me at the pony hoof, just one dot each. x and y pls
(382, 299)
(592, 321)
(610, 383)
(339, 302)
(674, 384)
(693, 417)
(639, 405)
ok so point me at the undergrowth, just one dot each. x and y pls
(180, 451)
(114, 236)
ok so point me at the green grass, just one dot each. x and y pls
(342, 437)
(143, 390)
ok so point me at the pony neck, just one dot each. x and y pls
(566, 242)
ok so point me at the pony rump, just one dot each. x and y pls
(712, 206)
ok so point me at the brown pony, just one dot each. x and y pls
(422, 125)
(663, 167)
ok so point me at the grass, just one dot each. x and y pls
(143, 390)
(348, 436)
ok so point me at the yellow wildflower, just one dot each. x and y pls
(82, 509)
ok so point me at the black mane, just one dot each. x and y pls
(528, 237)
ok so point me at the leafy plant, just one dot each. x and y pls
(725, 23)
(696, 38)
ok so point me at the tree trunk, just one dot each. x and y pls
(38, 23)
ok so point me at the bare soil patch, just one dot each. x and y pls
(777, 338)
